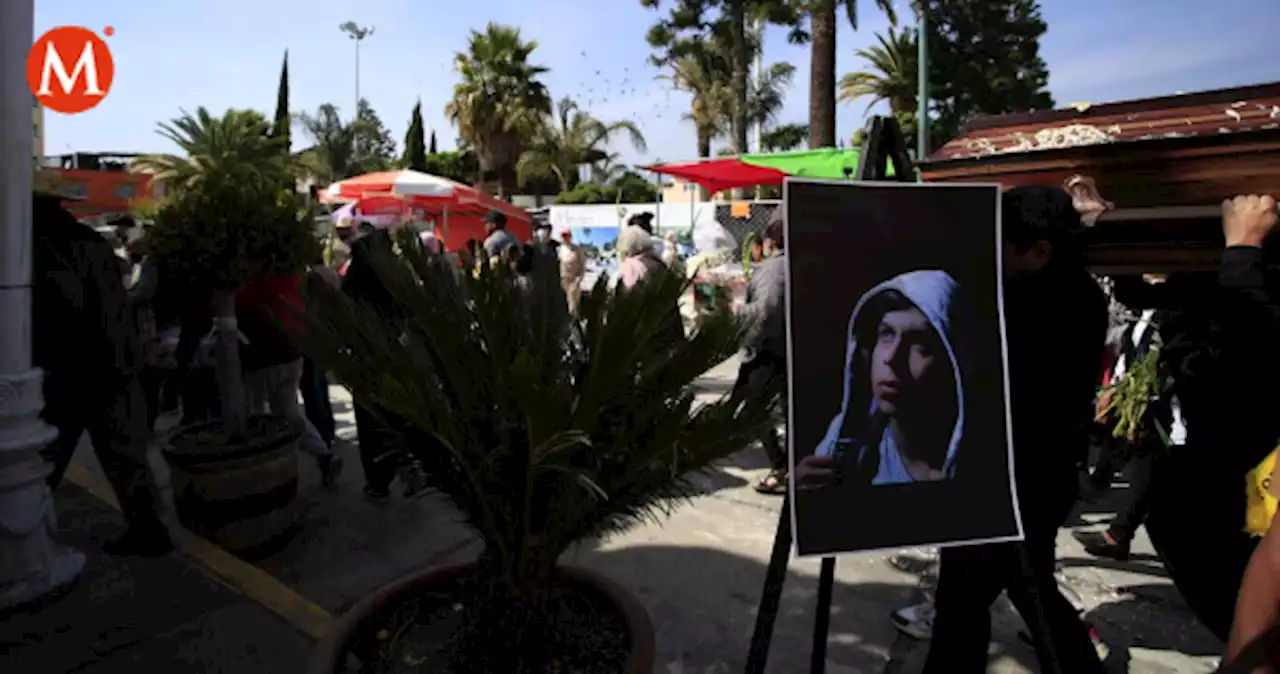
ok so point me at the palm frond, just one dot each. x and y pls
(543, 428)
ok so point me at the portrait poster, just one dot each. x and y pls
(898, 416)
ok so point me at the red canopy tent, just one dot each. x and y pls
(715, 175)
(458, 209)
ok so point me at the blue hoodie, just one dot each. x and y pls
(935, 293)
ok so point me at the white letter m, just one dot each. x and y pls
(53, 65)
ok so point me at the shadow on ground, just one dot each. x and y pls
(703, 604)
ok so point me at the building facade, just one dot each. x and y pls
(100, 185)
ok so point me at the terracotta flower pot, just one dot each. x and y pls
(330, 652)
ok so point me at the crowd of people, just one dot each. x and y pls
(139, 353)
(1197, 441)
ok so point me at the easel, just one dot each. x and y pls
(884, 143)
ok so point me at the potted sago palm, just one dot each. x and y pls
(229, 218)
(543, 429)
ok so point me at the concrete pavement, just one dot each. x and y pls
(700, 573)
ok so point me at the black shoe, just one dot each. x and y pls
(330, 468)
(139, 543)
(1102, 544)
(377, 493)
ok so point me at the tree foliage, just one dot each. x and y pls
(891, 75)
(500, 102)
(542, 428)
(571, 138)
(456, 166)
(628, 188)
(785, 137)
(713, 34)
(282, 122)
(375, 149)
(238, 146)
(415, 150)
(332, 155)
(984, 59)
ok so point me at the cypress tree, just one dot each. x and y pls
(432, 149)
(415, 151)
(280, 125)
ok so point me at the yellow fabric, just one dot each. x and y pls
(1260, 496)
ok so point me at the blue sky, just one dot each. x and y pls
(180, 55)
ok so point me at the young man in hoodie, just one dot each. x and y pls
(764, 357)
(902, 418)
(1055, 327)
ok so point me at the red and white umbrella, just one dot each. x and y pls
(403, 183)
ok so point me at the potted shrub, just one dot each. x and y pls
(231, 216)
(543, 429)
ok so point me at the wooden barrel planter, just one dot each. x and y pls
(238, 492)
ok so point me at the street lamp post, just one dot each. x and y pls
(31, 563)
(357, 33)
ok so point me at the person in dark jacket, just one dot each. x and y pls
(1055, 326)
(1225, 385)
(85, 340)
(764, 357)
(315, 384)
(383, 452)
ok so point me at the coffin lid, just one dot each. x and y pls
(1238, 111)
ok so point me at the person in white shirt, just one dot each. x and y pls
(572, 268)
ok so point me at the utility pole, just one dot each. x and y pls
(357, 33)
(922, 75)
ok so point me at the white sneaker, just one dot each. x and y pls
(915, 621)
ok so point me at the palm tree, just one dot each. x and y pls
(499, 103)
(228, 218)
(767, 95)
(890, 76)
(332, 157)
(236, 147)
(822, 64)
(785, 137)
(701, 75)
(571, 138)
(608, 169)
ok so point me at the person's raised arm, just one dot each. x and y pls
(1246, 222)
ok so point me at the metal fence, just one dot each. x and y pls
(739, 228)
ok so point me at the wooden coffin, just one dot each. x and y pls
(1163, 164)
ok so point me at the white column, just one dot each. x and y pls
(31, 563)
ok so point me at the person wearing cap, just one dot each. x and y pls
(572, 268)
(497, 238)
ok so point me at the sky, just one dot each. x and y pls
(175, 56)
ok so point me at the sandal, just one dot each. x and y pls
(774, 483)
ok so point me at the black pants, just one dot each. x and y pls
(971, 578)
(755, 375)
(381, 447)
(1125, 525)
(115, 422)
(315, 399)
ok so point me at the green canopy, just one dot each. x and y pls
(832, 163)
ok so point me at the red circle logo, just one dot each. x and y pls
(70, 69)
